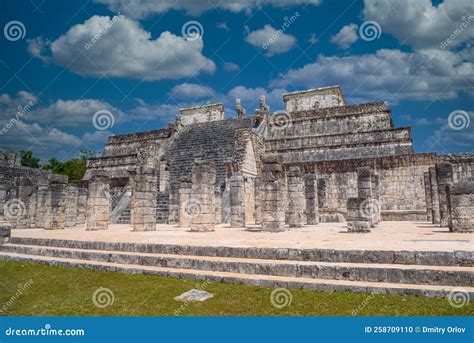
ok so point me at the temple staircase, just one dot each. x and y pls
(425, 273)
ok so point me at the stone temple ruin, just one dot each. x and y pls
(319, 161)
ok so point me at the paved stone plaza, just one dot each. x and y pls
(410, 236)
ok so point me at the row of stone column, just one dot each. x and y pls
(363, 211)
(302, 196)
(197, 198)
(449, 204)
(56, 204)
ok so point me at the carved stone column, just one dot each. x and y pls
(296, 198)
(98, 203)
(434, 195)
(72, 194)
(273, 197)
(311, 190)
(444, 175)
(428, 196)
(461, 205)
(55, 215)
(203, 196)
(144, 199)
(184, 196)
(237, 200)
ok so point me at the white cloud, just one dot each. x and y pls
(423, 122)
(68, 113)
(420, 23)
(230, 66)
(223, 26)
(272, 40)
(119, 47)
(389, 75)
(447, 139)
(346, 37)
(145, 8)
(312, 38)
(186, 91)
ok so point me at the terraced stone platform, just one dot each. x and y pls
(410, 258)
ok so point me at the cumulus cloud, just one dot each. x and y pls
(186, 91)
(230, 66)
(223, 26)
(346, 37)
(119, 47)
(389, 74)
(271, 40)
(144, 8)
(460, 138)
(69, 113)
(422, 24)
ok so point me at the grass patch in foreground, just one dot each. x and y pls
(61, 291)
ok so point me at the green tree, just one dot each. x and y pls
(28, 160)
(74, 168)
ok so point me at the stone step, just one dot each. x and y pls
(426, 258)
(392, 273)
(242, 278)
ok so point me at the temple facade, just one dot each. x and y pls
(319, 160)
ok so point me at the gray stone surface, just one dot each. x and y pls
(194, 295)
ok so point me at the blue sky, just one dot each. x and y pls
(61, 62)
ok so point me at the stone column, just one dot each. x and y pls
(202, 207)
(273, 197)
(461, 204)
(5, 234)
(18, 209)
(258, 201)
(32, 208)
(81, 205)
(3, 194)
(184, 195)
(321, 193)
(237, 200)
(376, 188)
(428, 196)
(72, 194)
(369, 207)
(98, 202)
(434, 195)
(41, 199)
(144, 199)
(296, 198)
(444, 175)
(54, 217)
(357, 221)
(310, 190)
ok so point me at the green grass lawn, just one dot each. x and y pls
(57, 291)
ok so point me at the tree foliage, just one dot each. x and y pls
(28, 160)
